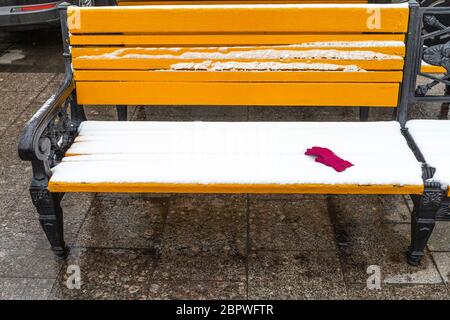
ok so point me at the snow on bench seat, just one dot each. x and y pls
(239, 157)
(432, 138)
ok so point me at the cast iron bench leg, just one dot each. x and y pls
(423, 221)
(122, 113)
(48, 205)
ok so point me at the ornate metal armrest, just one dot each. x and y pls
(51, 131)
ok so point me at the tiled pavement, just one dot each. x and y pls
(206, 246)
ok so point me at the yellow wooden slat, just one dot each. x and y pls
(238, 93)
(233, 188)
(230, 76)
(426, 68)
(223, 39)
(284, 18)
(165, 64)
(91, 51)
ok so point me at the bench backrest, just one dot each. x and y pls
(165, 2)
(288, 54)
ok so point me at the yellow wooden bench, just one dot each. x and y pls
(313, 55)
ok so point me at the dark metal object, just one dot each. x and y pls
(423, 220)
(434, 204)
(437, 55)
(44, 142)
(364, 113)
(122, 113)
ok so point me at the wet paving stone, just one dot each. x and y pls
(28, 262)
(207, 223)
(21, 228)
(287, 197)
(25, 289)
(295, 275)
(12, 104)
(398, 292)
(162, 113)
(197, 290)
(106, 274)
(365, 238)
(232, 113)
(26, 82)
(124, 223)
(189, 264)
(290, 225)
(205, 238)
(440, 238)
(100, 113)
(302, 114)
(442, 260)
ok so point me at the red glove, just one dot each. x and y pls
(328, 158)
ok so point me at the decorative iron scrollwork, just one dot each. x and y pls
(436, 55)
(58, 135)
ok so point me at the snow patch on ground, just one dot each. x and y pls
(11, 55)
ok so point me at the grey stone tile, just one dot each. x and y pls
(365, 238)
(394, 207)
(442, 260)
(18, 82)
(207, 223)
(190, 264)
(21, 228)
(124, 223)
(205, 239)
(295, 275)
(3, 78)
(25, 289)
(287, 197)
(19, 232)
(197, 290)
(100, 113)
(302, 114)
(14, 177)
(106, 274)
(290, 225)
(161, 113)
(398, 292)
(440, 238)
(231, 113)
(128, 196)
(28, 262)
(12, 104)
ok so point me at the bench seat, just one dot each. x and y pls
(236, 157)
(432, 138)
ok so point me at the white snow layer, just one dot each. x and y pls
(237, 153)
(267, 54)
(433, 139)
(263, 66)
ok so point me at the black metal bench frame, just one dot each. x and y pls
(53, 129)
